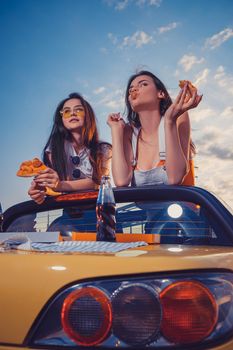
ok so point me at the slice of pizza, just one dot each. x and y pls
(31, 168)
(190, 90)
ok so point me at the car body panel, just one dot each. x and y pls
(30, 280)
(225, 346)
(39, 276)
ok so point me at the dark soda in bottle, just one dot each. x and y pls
(106, 212)
(1, 218)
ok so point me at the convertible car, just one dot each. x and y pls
(166, 283)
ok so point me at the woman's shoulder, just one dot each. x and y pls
(102, 145)
(131, 132)
(105, 148)
(128, 129)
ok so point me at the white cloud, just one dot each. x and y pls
(201, 78)
(113, 104)
(113, 100)
(167, 28)
(198, 115)
(215, 161)
(138, 39)
(176, 73)
(118, 5)
(227, 112)
(212, 142)
(113, 38)
(82, 82)
(215, 175)
(218, 39)
(156, 3)
(220, 72)
(121, 5)
(99, 90)
(104, 50)
(187, 62)
(224, 81)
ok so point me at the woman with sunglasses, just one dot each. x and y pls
(154, 147)
(75, 157)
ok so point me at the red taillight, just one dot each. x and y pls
(87, 316)
(189, 312)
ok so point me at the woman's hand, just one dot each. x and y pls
(115, 121)
(182, 104)
(48, 178)
(37, 193)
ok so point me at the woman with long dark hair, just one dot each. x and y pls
(74, 155)
(154, 147)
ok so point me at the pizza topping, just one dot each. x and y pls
(183, 82)
(31, 168)
(37, 163)
(191, 88)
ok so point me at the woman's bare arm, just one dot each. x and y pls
(75, 185)
(106, 151)
(184, 132)
(176, 162)
(121, 150)
(177, 136)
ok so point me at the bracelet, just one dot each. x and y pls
(56, 184)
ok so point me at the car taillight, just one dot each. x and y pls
(87, 316)
(189, 312)
(157, 311)
(134, 305)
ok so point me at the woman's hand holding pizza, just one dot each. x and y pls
(45, 180)
(186, 99)
(37, 193)
(48, 178)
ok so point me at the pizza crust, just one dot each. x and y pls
(50, 192)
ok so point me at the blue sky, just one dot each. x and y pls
(50, 48)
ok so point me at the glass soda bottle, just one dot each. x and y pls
(106, 212)
(1, 218)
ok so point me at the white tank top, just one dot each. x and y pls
(156, 175)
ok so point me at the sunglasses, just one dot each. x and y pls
(68, 112)
(76, 172)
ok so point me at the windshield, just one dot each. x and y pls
(175, 221)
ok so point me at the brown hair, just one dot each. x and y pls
(90, 139)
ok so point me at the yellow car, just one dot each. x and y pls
(166, 283)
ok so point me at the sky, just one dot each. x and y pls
(50, 48)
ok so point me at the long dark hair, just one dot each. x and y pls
(59, 134)
(133, 117)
